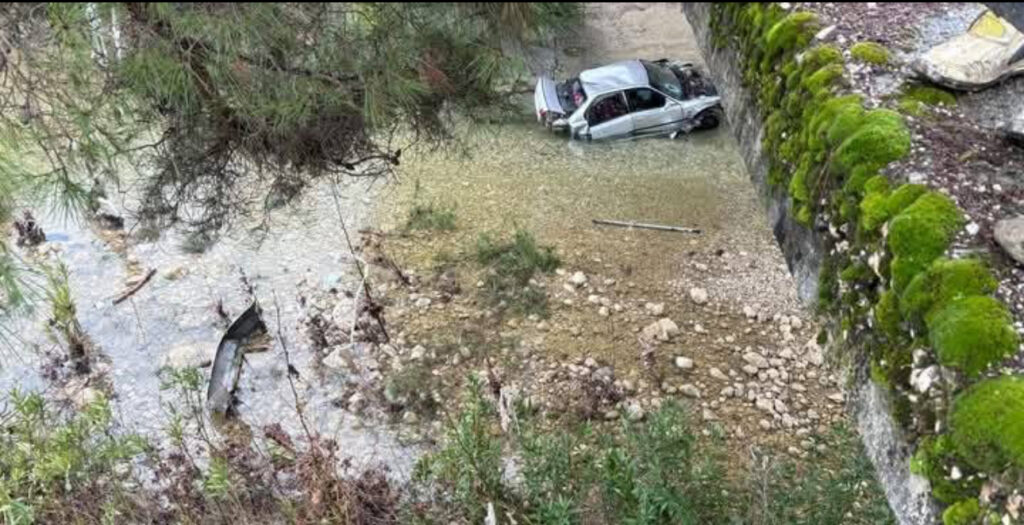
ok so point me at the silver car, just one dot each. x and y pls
(627, 99)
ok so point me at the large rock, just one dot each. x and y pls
(1009, 234)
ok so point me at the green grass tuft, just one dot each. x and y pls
(513, 264)
(431, 217)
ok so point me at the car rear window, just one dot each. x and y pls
(571, 94)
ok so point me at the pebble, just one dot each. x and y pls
(417, 353)
(755, 359)
(578, 279)
(689, 390)
(655, 309)
(603, 311)
(718, 374)
(699, 295)
(634, 412)
(684, 363)
(765, 424)
(410, 417)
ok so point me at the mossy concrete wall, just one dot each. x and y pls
(804, 247)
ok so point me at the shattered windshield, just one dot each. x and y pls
(663, 80)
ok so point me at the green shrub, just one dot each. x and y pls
(965, 512)
(987, 424)
(870, 52)
(944, 281)
(971, 333)
(514, 263)
(61, 468)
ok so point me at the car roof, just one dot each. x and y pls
(619, 75)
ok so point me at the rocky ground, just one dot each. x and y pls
(959, 150)
(613, 346)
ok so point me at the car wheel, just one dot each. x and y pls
(709, 118)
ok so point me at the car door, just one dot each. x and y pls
(653, 112)
(608, 117)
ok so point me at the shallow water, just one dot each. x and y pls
(515, 175)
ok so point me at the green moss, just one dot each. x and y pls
(873, 211)
(877, 184)
(904, 196)
(798, 184)
(945, 280)
(914, 108)
(793, 31)
(860, 175)
(930, 95)
(934, 459)
(870, 52)
(987, 424)
(965, 512)
(971, 333)
(857, 272)
(881, 138)
(887, 313)
(846, 121)
(921, 233)
(804, 215)
(823, 78)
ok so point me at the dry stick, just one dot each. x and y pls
(625, 224)
(121, 298)
(288, 370)
(359, 263)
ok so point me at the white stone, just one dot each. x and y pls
(1009, 233)
(188, 356)
(603, 311)
(578, 279)
(684, 363)
(755, 359)
(417, 353)
(749, 312)
(699, 295)
(922, 379)
(655, 309)
(718, 374)
(661, 330)
(690, 391)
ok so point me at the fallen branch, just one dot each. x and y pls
(630, 224)
(121, 298)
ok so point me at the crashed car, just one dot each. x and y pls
(629, 99)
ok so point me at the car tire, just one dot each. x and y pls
(709, 118)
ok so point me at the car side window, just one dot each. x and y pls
(607, 108)
(641, 99)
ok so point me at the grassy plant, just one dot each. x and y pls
(836, 486)
(63, 321)
(648, 473)
(57, 467)
(431, 217)
(513, 264)
(469, 468)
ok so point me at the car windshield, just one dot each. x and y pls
(663, 80)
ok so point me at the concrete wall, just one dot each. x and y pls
(908, 495)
